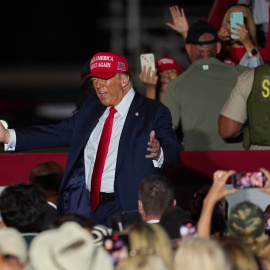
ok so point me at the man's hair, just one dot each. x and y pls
(23, 206)
(47, 175)
(156, 194)
(121, 75)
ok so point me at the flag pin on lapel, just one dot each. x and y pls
(137, 114)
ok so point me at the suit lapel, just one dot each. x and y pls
(87, 122)
(130, 125)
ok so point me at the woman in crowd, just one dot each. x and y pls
(240, 254)
(150, 239)
(201, 253)
(244, 49)
(143, 262)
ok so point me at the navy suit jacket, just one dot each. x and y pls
(144, 115)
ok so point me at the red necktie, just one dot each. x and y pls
(100, 159)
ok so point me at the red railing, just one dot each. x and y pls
(196, 165)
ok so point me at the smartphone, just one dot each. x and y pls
(242, 180)
(117, 245)
(236, 17)
(148, 60)
(187, 228)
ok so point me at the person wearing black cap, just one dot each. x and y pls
(196, 97)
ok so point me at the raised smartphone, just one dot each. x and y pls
(148, 60)
(236, 17)
(242, 180)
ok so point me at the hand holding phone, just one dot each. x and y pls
(148, 60)
(243, 180)
(236, 17)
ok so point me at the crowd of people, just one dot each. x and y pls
(112, 208)
(151, 240)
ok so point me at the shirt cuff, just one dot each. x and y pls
(159, 163)
(12, 141)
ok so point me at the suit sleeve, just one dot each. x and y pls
(166, 136)
(47, 136)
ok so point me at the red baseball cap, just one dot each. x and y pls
(105, 65)
(166, 63)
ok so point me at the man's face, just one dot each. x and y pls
(111, 91)
(196, 52)
(166, 76)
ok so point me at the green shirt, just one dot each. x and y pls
(196, 98)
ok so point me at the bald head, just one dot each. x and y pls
(196, 51)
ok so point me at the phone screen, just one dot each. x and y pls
(188, 228)
(117, 246)
(242, 180)
(236, 17)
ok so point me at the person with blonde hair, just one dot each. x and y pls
(143, 262)
(201, 253)
(149, 239)
(262, 251)
(239, 254)
(244, 49)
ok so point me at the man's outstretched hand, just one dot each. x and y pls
(4, 134)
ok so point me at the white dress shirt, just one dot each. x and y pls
(90, 150)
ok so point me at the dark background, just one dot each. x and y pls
(51, 32)
(44, 45)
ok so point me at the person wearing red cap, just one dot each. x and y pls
(142, 142)
(155, 85)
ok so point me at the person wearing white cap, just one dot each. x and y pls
(13, 250)
(69, 247)
(116, 140)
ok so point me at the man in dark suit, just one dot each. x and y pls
(142, 142)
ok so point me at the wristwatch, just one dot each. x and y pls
(252, 52)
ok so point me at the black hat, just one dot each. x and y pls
(199, 28)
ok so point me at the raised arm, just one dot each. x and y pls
(217, 191)
(149, 78)
(180, 24)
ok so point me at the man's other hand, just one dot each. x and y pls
(154, 147)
